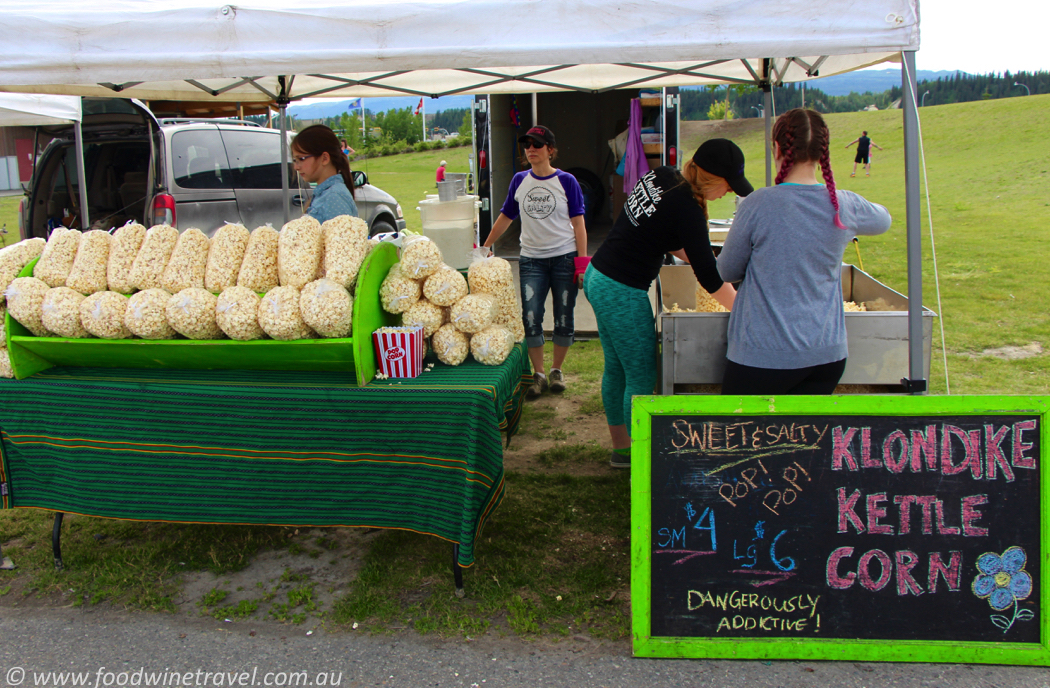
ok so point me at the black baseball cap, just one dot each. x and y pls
(724, 158)
(539, 134)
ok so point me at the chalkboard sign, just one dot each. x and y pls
(815, 527)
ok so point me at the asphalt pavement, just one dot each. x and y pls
(103, 646)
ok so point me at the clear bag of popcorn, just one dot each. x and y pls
(420, 257)
(25, 300)
(60, 313)
(15, 257)
(8, 272)
(397, 292)
(57, 258)
(237, 314)
(489, 275)
(299, 252)
(425, 314)
(492, 345)
(188, 263)
(146, 315)
(153, 257)
(3, 326)
(225, 255)
(280, 316)
(5, 365)
(327, 308)
(445, 286)
(474, 312)
(123, 249)
(450, 345)
(21, 253)
(88, 274)
(102, 314)
(191, 313)
(259, 268)
(345, 248)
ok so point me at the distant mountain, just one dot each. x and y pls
(334, 108)
(871, 80)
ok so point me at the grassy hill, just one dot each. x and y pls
(989, 175)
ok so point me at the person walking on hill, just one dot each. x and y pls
(864, 145)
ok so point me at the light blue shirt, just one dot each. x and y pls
(332, 199)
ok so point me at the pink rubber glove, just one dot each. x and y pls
(581, 263)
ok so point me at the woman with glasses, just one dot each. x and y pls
(550, 205)
(318, 158)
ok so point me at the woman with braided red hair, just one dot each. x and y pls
(787, 330)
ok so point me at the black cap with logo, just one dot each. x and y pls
(724, 158)
(540, 134)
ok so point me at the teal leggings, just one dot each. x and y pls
(628, 332)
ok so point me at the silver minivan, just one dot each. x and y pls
(189, 173)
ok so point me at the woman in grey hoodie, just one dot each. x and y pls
(787, 330)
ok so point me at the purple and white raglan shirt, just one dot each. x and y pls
(545, 206)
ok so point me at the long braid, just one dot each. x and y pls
(829, 180)
(787, 151)
(825, 166)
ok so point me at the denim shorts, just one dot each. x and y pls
(538, 276)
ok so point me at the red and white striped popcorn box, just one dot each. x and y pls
(399, 350)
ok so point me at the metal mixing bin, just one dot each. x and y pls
(694, 344)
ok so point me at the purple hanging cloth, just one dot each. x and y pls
(636, 166)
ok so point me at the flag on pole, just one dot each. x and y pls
(419, 108)
(353, 104)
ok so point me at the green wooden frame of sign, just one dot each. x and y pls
(356, 353)
(958, 601)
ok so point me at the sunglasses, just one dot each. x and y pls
(301, 158)
(529, 143)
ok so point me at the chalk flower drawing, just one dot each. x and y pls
(1003, 581)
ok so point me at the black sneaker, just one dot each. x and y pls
(557, 381)
(618, 460)
(538, 386)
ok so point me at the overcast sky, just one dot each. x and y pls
(981, 37)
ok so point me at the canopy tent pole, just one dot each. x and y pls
(767, 115)
(78, 134)
(282, 103)
(535, 106)
(915, 383)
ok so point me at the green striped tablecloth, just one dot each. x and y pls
(283, 448)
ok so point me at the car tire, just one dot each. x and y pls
(380, 227)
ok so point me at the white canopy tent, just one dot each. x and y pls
(34, 110)
(266, 50)
(184, 49)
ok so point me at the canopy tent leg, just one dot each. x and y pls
(282, 103)
(915, 382)
(767, 116)
(457, 572)
(85, 221)
(56, 541)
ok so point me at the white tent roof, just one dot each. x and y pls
(30, 110)
(192, 49)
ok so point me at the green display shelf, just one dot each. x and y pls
(356, 353)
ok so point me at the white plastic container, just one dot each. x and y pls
(451, 225)
(455, 238)
(434, 210)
